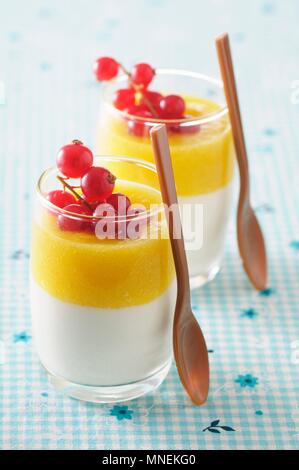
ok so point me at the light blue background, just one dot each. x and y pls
(48, 97)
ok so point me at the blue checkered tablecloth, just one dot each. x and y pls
(47, 97)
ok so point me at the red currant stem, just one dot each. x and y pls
(111, 178)
(71, 189)
(123, 68)
(126, 72)
(138, 88)
(64, 178)
(149, 105)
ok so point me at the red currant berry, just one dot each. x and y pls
(135, 109)
(120, 203)
(142, 74)
(154, 97)
(90, 226)
(172, 107)
(73, 160)
(97, 183)
(123, 98)
(105, 68)
(61, 198)
(93, 205)
(139, 128)
(179, 129)
(75, 223)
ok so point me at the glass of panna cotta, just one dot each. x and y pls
(202, 154)
(102, 307)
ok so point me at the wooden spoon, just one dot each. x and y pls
(250, 238)
(189, 345)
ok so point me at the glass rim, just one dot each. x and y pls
(61, 211)
(190, 121)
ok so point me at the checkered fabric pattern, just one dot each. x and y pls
(47, 97)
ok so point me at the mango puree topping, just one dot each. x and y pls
(79, 268)
(203, 161)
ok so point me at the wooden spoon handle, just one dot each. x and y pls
(231, 94)
(169, 196)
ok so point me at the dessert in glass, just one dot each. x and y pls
(102, 299)
(194, 109)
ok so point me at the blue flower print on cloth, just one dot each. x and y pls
(249, 313)
(121, 412)
(22, 336)
(247, 380)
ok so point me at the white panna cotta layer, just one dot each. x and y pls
(216, 208)
(100, 346)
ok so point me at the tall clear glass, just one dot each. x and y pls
(102, 309)
(202, 154)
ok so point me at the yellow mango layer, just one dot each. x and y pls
(79, 268)
(203, 162)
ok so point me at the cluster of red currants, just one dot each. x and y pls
(137, 100)
(95, 196)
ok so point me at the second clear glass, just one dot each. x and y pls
(202, 154)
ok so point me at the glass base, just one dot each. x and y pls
(202, 278)
(106, 394)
